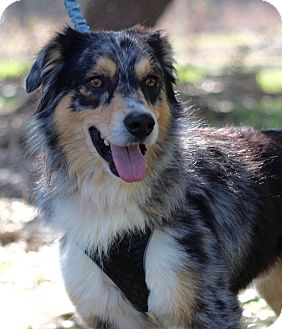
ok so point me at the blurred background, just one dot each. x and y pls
(229, 61)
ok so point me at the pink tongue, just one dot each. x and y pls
(130, 163)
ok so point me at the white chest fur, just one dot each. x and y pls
(93, 217)
(90, 222)
(94, 294)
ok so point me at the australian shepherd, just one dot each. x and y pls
(163, 222)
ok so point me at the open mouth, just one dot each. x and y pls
(127, 162)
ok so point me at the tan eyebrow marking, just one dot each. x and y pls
(143, 68)
(104, 66)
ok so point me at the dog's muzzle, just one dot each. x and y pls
(127, 162)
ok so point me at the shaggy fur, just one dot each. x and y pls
(210, 197)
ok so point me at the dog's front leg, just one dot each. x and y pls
(98, 302)
(188, 286)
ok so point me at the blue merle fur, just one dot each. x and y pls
(220, 189)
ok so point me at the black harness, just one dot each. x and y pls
(124, 265)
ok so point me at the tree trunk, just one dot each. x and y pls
(119, 14)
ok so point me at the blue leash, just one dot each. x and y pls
(76, 16)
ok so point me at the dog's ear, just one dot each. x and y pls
(33, 80)
(51, 58)
(162, 49)
(47, 59)
(47, 55)
(158, 41)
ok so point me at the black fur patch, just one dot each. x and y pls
(124, 265)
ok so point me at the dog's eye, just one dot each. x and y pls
(150, 82)
(96, 83)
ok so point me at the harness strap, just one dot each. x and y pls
(124, 265)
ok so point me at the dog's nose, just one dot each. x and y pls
(139, 125)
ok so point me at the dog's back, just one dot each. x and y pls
(269, 284)
(242, 195)
(267, 146)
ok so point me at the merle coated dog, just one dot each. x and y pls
(163, 222)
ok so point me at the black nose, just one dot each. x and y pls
(139, 125)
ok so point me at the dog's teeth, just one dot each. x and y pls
(106, 142)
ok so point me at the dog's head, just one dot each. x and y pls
(106, 97)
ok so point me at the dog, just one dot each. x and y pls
(163, 221)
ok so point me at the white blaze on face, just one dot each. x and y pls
(277, 4)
